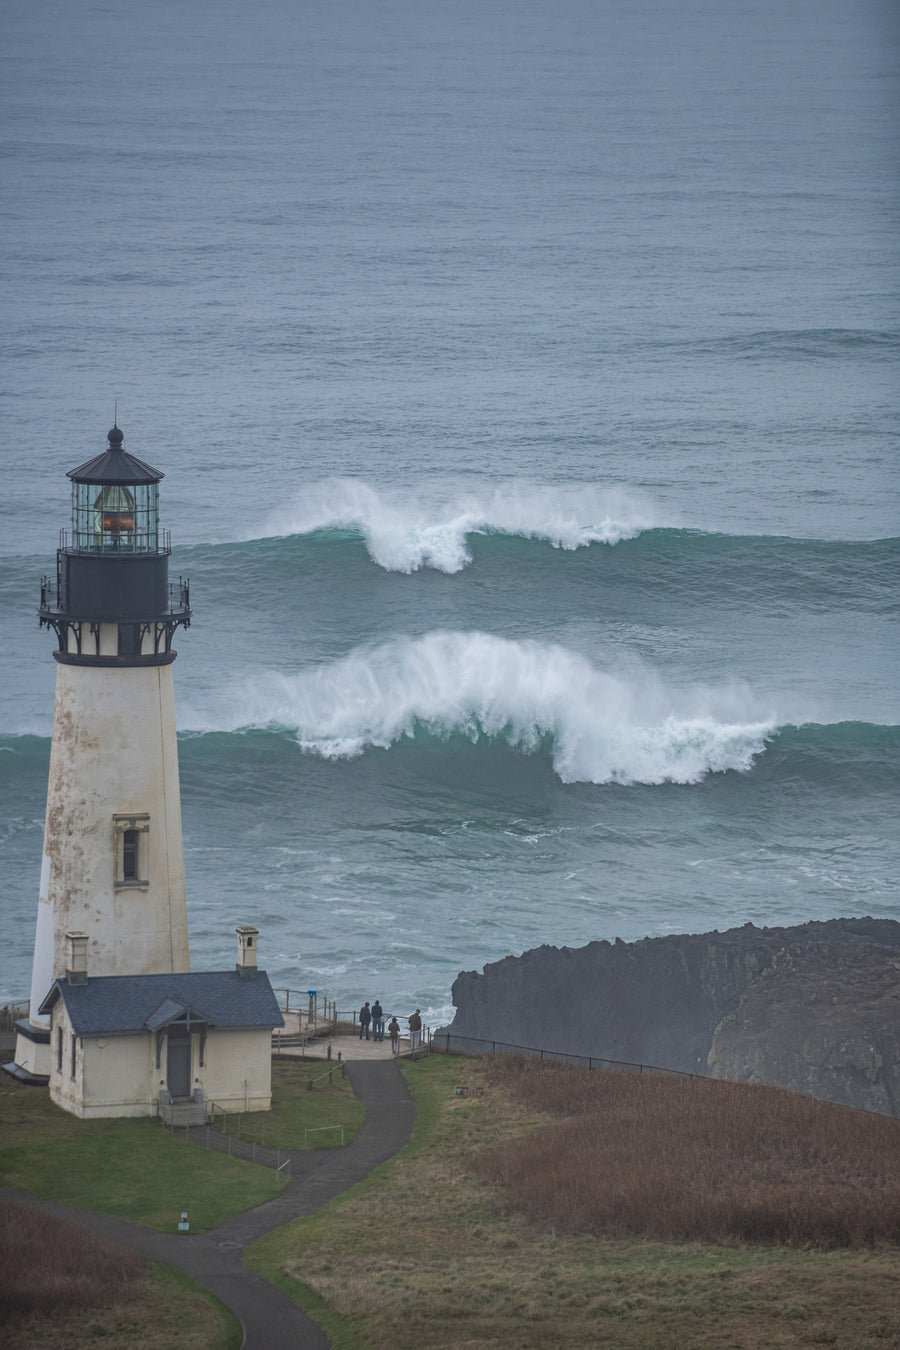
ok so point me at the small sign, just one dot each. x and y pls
(184, 1226)
(470, 1092)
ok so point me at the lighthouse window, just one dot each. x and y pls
(115, 517)
(130, 855)
(131, 835)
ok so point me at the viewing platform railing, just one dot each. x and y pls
(318, 1016)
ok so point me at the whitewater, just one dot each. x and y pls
(400, 537)
(599, 727)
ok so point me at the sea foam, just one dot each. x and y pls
(598, 726)
(406, 533)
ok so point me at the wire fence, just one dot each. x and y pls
(448, 1043)
(279, 1160)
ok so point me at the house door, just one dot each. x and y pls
(178, 1065)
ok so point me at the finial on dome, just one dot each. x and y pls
(116, 439)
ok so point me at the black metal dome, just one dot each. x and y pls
(115, 465)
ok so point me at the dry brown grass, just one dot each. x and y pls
(670, 1158)
(429, 1256)
(62, 1288)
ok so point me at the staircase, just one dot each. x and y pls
(185, 1110)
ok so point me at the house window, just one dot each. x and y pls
(131, 835)
(72, 1069)
(59, 1049)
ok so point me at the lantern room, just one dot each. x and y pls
(112, 568)
(115, 502)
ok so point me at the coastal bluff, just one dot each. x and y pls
(814, 1008)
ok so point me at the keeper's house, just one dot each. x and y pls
(167, 1044)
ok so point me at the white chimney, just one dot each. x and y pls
(246, 963)
(76, 957)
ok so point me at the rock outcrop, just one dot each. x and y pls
(815, 1008)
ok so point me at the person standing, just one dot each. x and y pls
(394, 1033)
(365, 1017)
(377, 1021)
(415, 1030)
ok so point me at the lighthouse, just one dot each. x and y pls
(113, 861)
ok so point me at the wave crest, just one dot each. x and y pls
(599, 726)
(403, 535)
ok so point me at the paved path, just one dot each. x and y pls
(271, 1321)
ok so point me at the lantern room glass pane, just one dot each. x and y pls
(115, 517)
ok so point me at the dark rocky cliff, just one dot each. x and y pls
(815, 1008)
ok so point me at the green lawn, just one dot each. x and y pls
(137, 1170)
(297, 1108)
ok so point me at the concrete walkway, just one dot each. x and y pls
(271, 1321)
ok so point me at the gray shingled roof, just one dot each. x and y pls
(113, 1005)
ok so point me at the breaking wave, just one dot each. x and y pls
(403, 535)
(598, 726)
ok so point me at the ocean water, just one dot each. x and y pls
(525, 379)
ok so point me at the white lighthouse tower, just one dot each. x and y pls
(113, 863)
